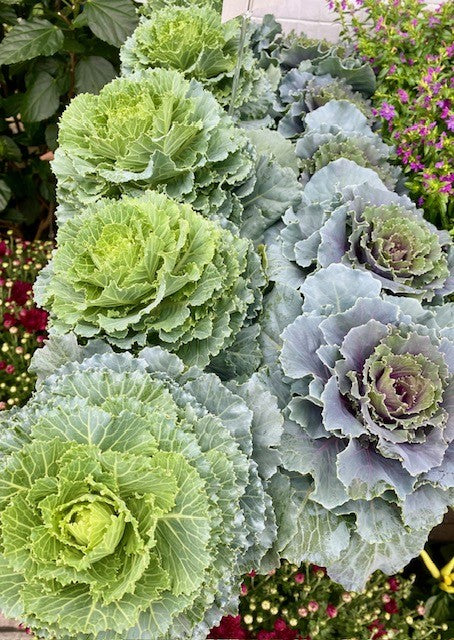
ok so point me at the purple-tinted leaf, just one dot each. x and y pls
(360, 342)
(336, 415)
(336, 328)
(417, 458)
(301, 341)
(337, 288)
(317, 457)
(334, 244)
(367, 474)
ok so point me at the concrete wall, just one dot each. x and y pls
(311, 16)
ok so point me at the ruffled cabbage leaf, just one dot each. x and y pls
(369, 228)
(150, 271)
(157, 130)
(368, 439)
(194, 41)
(130, 503)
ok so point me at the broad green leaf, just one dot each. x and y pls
(7, 14)
(29, 39)
(183, 533)
(41, 99)
(321, 537)
(92, 74)
(360, 559)
(9, 149)
(12, 582)
(317, 457)
(5, 194)
(111, 20)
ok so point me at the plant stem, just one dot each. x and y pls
(236, 77)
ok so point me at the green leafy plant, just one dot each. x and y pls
(49, 52)
(367, 449)
(193, 40)
(156, 129)
(129, 503)
(373, 229)
(151, 271)
(339, 129)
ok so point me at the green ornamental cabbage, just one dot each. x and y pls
(152, 130)
(157, 130)
(193, 40)
(129, 503)
(151, 271)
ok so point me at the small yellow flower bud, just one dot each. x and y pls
(266, 605)
(248, 619)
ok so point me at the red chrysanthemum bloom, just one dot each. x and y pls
(9, 320)
(393, 583)
(229, 627)
(315, 568)
(391, 606)
(379, 628)
(33, 319)
(20, 292)
(331, 611)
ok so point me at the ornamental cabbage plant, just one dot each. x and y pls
(194, 41)
(304, 89)
(367, 451)
(150, 130)
(148, 271)
(129, 501)
(339, 130)
(378, 231)
(157, 130)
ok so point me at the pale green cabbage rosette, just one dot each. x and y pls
(366, 382)
(152, 130)
(129, 501)
(194, 41)
(158, 130)
(150, 271)
(362, 224)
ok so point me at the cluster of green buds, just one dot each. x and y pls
(23, 325)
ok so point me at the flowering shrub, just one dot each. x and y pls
(23, 324)
(302, 603)
(193, 40)
(411, 49)
(129, 502)
(368, 446)
(151, 271)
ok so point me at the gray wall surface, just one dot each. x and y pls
(310, 16)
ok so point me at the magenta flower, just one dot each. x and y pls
(331, 611)
(387, 111)
(403, 95)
